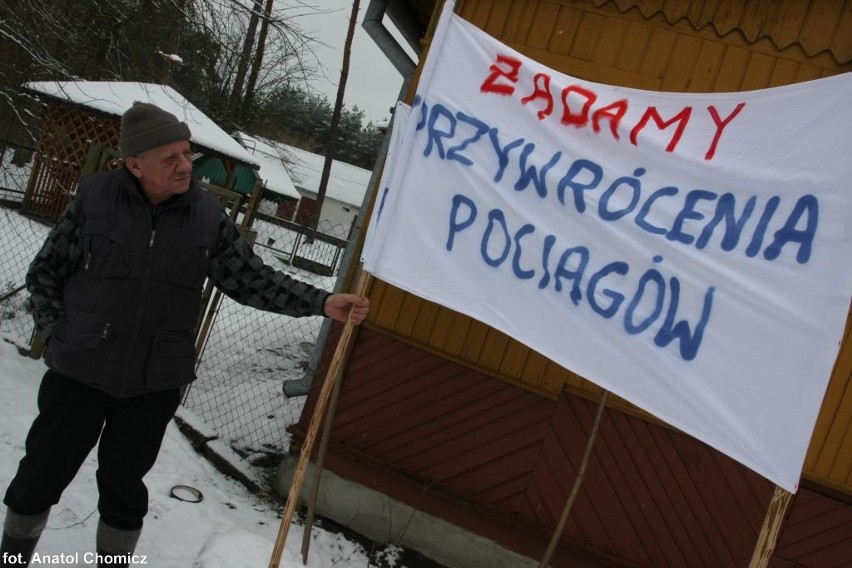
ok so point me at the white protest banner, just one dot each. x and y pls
(688, 252)
(395, 145)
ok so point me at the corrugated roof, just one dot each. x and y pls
(114, 97)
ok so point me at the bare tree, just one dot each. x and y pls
(283, 54)
(120, 40)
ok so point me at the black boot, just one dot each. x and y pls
(16, 551)
(112, 560)
(115, 546)
(20, 536)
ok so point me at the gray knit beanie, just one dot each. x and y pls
(145, 126)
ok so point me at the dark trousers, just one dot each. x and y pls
(72, 416)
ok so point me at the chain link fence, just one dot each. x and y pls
(248, 353)
(20, 239)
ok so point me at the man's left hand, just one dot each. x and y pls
(337, 307)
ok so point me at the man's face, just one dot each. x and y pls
(163, 171)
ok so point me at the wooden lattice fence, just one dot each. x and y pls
(71, 142)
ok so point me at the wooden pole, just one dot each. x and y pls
(318, 465)
(578, 482)
(769, 532)
(331, 378)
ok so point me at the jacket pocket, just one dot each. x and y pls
(104, 253)
(188, 267)
(81, 331)
(172, 361)
(80, 345)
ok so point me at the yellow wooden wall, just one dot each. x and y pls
(699, 46)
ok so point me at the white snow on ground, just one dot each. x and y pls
(229, 528)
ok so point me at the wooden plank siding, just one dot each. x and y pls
(829, 459)
(463, 422)
(500, 460)
(818, 532)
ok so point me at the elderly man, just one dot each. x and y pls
(116, 292)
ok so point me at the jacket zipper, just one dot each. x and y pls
(147, 280)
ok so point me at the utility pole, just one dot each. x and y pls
(235, 104)
(335, 117)
(248, 101)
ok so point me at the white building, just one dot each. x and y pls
(345, 190)
(274, 175)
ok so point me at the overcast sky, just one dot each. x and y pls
(373, 84)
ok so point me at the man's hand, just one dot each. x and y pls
(337, 307)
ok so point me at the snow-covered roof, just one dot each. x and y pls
(114, 97)
(346, 183)
(272, 170)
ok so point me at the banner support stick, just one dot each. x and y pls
(767, 539)
(331, 378)
(318, 465)
(578, 482)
